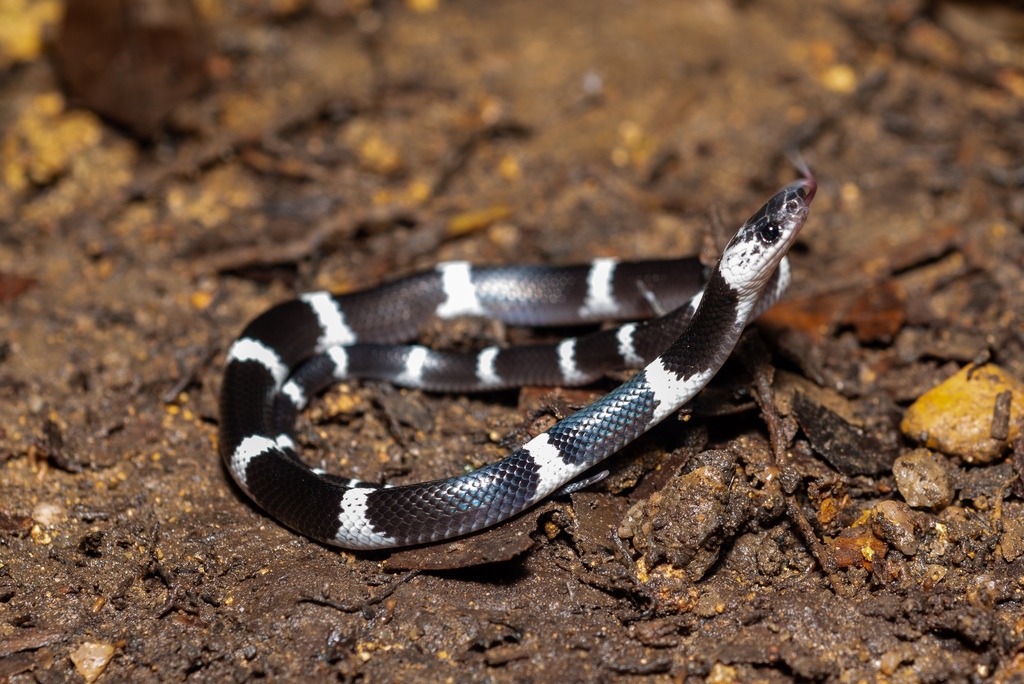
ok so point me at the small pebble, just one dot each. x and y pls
(957, 416)
(708, 605)
(923, 479)
(857, 547)
(91, 659)
(893, 658)
(132, 62)
(47, 514)
(840, 78)
(893, 521)
(1012, 540)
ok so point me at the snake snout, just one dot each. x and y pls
(806, 188)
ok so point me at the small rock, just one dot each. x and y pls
(893, 521)
(47, 514)
(923, 479)
(91, 659)
(857, 546)
(1012, 540)
(683, 525)
(132, 62)
(960, 416)
(709, 604)
(656, 633)
(893, 658)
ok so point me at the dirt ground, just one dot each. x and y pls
(334, 144)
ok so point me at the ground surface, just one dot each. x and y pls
(336, 145)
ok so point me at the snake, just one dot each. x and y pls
(297, 348)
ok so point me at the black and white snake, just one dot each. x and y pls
(301, 346)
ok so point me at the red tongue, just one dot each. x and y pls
(812, 187)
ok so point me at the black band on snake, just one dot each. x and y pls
(299, 347)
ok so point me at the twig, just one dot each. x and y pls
(756, 358)
(363, 605)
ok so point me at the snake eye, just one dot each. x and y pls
(768, 232)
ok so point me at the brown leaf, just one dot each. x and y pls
(814, 316)
(879, 313)
(11, 286)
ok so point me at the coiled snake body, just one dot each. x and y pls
(298, 347)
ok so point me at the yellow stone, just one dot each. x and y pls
(423, 6)
(45, 141)
(472, 221)
(91, 659)
(22, 25)
(840, 78)
(378, 155)
(956, 417)
(200, 299)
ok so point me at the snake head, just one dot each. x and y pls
(752, 255)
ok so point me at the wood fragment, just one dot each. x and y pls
(1001, 416)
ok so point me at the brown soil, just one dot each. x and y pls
(336, 145)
